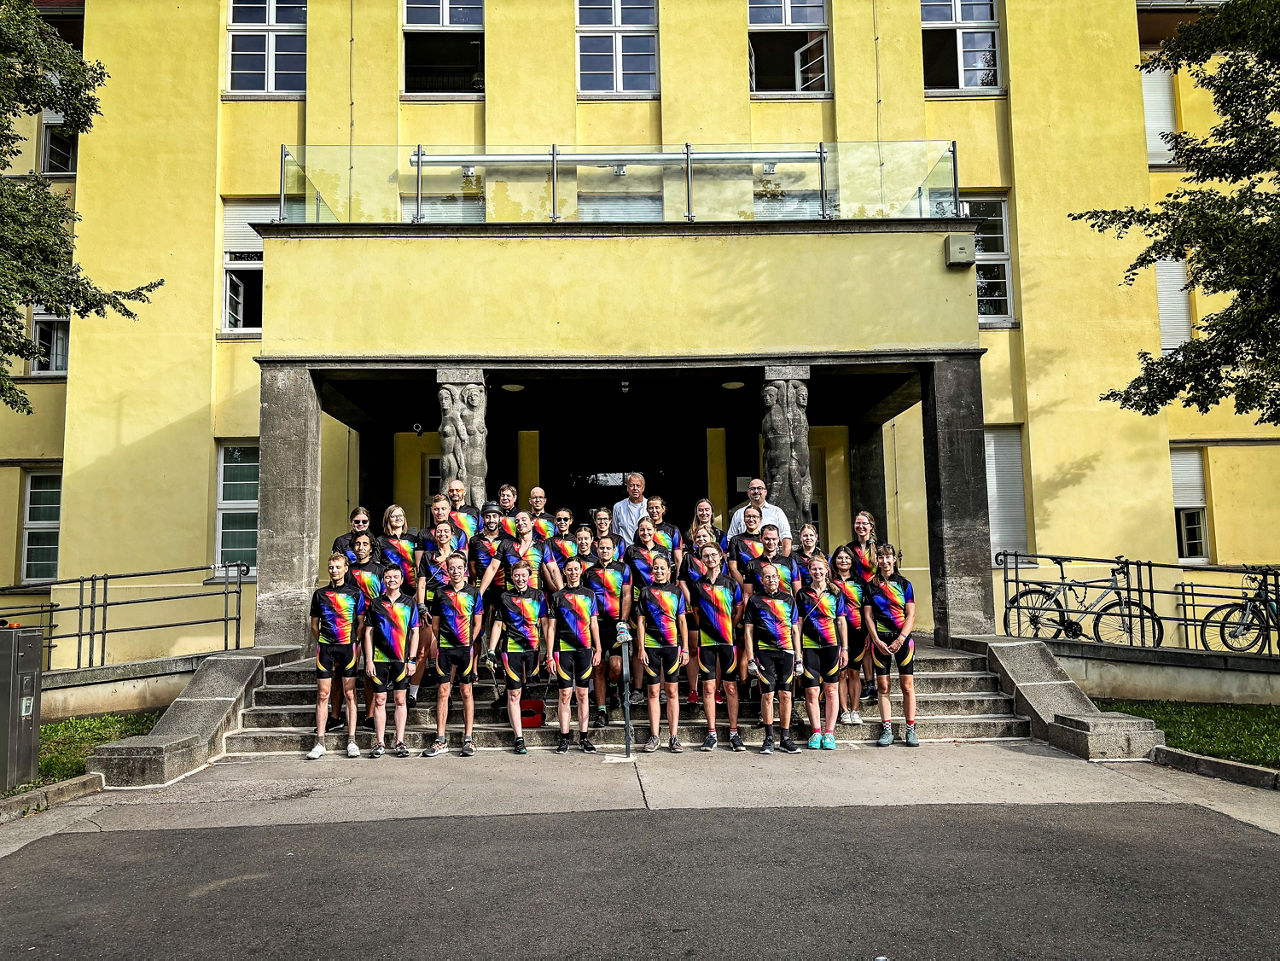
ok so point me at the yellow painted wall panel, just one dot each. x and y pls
(857, 60)
(705, 85)
(531, 98)
(730, 283)
(28, 158)
(980, 128)
(1003, 401)
(793, 121)
(39, 434)
(1242, 513)
(237, 394)
(339, 461)
(608, 123)
(454, 123)
(250, 137)
(11, 508)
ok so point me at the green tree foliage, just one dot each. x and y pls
(1225, 220)
(39, 71)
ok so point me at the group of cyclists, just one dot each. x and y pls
(527, 594)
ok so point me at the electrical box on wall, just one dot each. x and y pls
(960, 250)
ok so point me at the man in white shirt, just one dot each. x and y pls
(756, 494)
(628, 511)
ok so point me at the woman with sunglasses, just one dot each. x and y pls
(359, 525)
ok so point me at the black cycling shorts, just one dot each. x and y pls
(663, 665)
(391, 676)
(609, 646)
(455, 664)
(336, 660)
(573, 668)
(520, 668)
(905, 656)
(821, 666)
(777, 670)
(724, 656)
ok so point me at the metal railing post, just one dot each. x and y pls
(417, 208)
(93, 613)
(822, 181)
(102, 651)
(688, 182)
(80, 625)
(955, 183)
(555, 183)
(284, 156)
(226, 608)
(240, 571)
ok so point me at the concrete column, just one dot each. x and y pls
(288, 504)
(956, 498)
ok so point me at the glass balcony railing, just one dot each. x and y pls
(612, 184)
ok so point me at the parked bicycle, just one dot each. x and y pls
(1039, 611)
(1245, 625)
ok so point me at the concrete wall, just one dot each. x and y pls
(1161, 675)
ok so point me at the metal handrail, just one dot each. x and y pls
(93, 597)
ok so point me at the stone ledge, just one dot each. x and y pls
(191, 730)
(1059, 711)
(1166, 656)
(154, 667)
(39, 799)
(1235, 771)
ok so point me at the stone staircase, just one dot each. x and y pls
(958, 699)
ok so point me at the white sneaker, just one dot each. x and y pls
(855, 717)
(846, 717)
(316, 752)
(352, 749)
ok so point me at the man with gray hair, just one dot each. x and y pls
(628, 511)
(757, 493)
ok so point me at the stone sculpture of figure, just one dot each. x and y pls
(453, 437)
(776, 431)
(475, 451)
(800, 480)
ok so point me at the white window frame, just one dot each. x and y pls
(29, 526)
(50, 120)
(788, 20)
(225, 506)
(446, 16)
(617, 30)
(961, 27)
(789, 25)
(987, 257)
(49, 368)
(1017, 537)
(271, 32)
(1190, 498)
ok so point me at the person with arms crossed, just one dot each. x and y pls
(628, 511)
(757, 494)
(573, 651)
(660, 622)
(772, 632)
(520, 626)
(455, 629)
(390, 649)
(716, 599)
(337, 613)
(889, 611)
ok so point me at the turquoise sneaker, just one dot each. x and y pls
(828, 742)
(886, 736)
(815, 741)
(912, 740)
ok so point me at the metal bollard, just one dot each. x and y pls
(20, 662)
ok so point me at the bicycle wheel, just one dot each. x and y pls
(1033, 613)
(1239, 627)
(1121, 622)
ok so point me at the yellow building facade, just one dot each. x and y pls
(624, 217)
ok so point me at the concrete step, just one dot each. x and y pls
(927, 705)
(929, 660)
(258, 740)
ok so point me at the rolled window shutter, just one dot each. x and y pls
(237, 215)
(1158, 104)
(631, 208)
(796, 205)
(1173, 303)
(1006, 496)
(445, 210)
(1187, 464)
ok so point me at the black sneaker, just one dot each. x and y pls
(600, 720)
(788, 745)
(378, 751)
(411, 701)
(767, 746)
(585, 745)
(709, 744)
(367, 724)
(735, 742)
(468, 748)
(519, 746)
(563, 746)
(402, 750)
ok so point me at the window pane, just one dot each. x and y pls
(466, 12)
(765, 11)
(248, 11)
(808, 11)
(595, 12)
(639, 12)
(1191, 533)
(642, 82)
(44, 498)
(41, 561)
(239, 541)
(59, 150)
(977, 10)
(979, 59)
(596, 45)
(423, 12)
(51, 336)
(291, 11)
(936, 11)
(941, 72)
(597, 82)
(993, 290)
